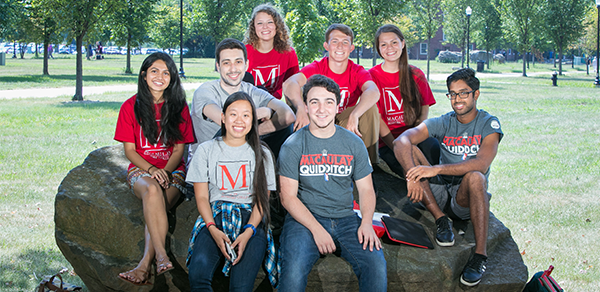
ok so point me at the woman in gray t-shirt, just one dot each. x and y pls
(232, 176)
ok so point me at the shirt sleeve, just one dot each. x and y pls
(293, 67)
(435, 127)
(260, 97)
(362, 76)
(423, 86)
(186, 128)
(125, 123)
(270, 170)
(198, 168)
(310, 69)
(289, 157)
(492, 125)
(202, 97)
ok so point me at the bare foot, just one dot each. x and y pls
(137, 276)
(163, 265)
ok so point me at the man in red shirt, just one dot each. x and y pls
(357, 110)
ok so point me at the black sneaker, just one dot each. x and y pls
(444, 235)
(474, 270)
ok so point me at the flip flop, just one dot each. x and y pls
(132, 275)
(163, 265)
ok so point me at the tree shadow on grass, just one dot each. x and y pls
(89, 78)
(24, 272)
(90, 104)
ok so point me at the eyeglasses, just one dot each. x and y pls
(462, 94)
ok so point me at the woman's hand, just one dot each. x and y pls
(241, 242)
(220, 239)
(161, 176)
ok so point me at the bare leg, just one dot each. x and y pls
(155, 202)
(472, 194)
(428, 198)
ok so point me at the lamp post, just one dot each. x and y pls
(468, 11)
(597, 82)
(181, 72)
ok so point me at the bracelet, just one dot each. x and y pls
(250, 226)
(151, 166)
(209, 224)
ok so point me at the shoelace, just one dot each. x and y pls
(477, 263)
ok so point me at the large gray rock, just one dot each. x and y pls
(449, 57)
(99, 229)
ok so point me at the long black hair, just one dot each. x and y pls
(411, 97)
(260, 189)
(174, 97)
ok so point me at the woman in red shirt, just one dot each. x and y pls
(271, 58)
(405, 96)
(154, 126)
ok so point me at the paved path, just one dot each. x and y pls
(89, 90)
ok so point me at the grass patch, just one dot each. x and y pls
(544, 180)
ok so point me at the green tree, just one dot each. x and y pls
(307, 29)
(521, 18)
(487, 25)
(78, 18)
(455, 23)
(220, 18)
(130, 23)
(44, 28)
(588, 40)
(165, 31)
(564, 23)
(428, 20)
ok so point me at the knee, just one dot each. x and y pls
(475, 178)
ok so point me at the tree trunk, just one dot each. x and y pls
(428, 42)
(358, 56)
(36, 50)
(560, 56)
(374, 54)
(128, 66)
(524, 65)
(79, 69)
(45, 66)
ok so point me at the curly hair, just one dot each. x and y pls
(281, 41)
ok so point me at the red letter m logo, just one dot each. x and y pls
(226, 174)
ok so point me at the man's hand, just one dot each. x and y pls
(241, 241)
(301, 120)
(367, 236)
(421, 171)
(352, 125)
(220, 239)
(323, 240)
(415, 191)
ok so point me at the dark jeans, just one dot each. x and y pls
(207, 258)
(430, 148)
(299, 254)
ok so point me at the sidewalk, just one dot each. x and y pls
(132, 88)
(70, 91)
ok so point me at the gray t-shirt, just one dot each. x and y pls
(228, 170)
(325, 169)
(212, 93)
(460, 141)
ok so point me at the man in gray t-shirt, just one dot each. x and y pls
(275, 117)
(457, 186)
(317, 168)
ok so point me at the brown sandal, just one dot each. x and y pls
(132, 276)
(163, 265)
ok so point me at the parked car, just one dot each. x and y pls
(112, 50)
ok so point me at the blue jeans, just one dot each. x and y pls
(299, 254)
(207, 258)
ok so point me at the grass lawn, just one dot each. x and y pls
(545, 179)
(27, 72)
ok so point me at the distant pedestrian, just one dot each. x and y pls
(90, 52)
(50, 50)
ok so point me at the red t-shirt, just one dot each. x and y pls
(129, 130)
(390, 104)
(350, 82)
(272, 69)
